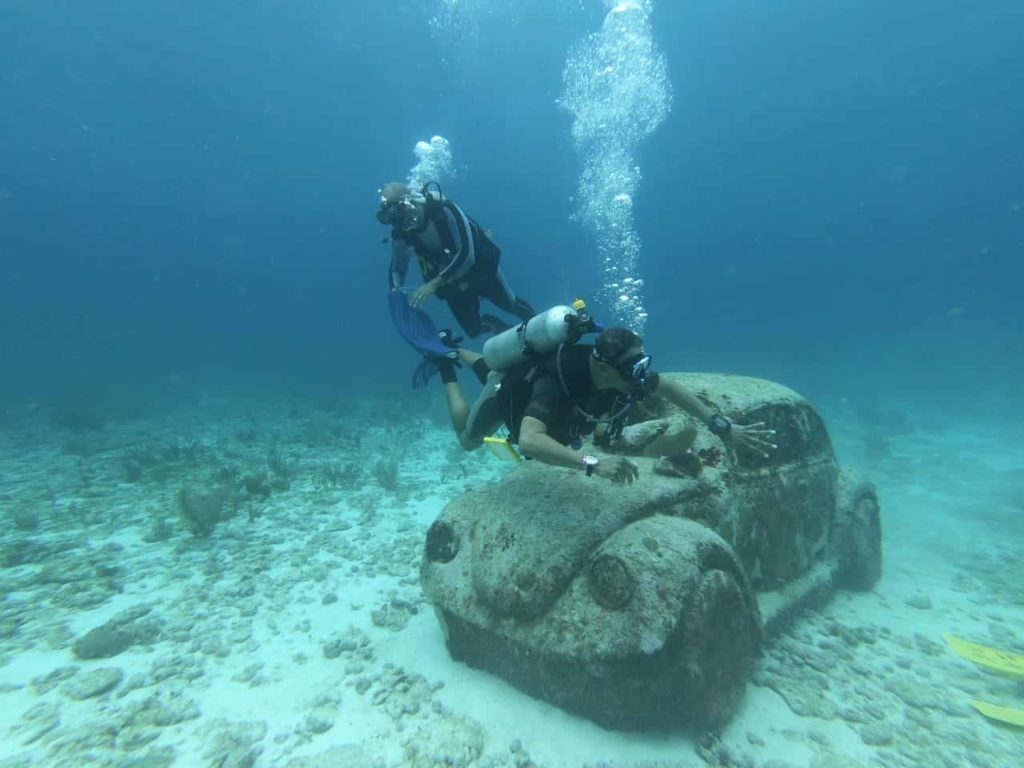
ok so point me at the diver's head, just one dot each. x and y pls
(620, 361)
(399, 205)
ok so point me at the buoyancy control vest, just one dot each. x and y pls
(433, 261)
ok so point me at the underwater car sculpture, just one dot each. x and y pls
(645, 606)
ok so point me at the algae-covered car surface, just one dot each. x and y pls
(644, 605)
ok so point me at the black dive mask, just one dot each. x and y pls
(635, 369)
(395, 213)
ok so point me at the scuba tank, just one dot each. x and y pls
(538, 336)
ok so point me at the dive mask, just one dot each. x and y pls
(635, 369)
(394, 212)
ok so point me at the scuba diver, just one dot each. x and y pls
(458, 261)
(550, 400)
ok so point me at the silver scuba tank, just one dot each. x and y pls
(538, 336)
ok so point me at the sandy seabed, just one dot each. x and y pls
(292, 632)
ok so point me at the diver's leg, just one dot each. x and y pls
(476, 362)
(465, 306)
(500, 293)
(493, 324)
(458, 408)
(523, 309)
(486, 415)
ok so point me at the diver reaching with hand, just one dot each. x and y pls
(549, 405)
(459, 262)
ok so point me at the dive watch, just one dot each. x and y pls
(589, 461)
(719, 425)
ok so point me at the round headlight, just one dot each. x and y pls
(442, 542)
(611, 582)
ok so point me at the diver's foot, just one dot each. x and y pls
(493, 324)
(450, 340)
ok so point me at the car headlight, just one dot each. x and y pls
(442, 542)
(611, 582)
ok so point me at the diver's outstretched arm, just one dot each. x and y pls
(752, 436)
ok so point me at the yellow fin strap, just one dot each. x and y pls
(502, 448)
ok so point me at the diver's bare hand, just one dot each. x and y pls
(618, 469)
(753, 437)
(419, 296)
(424, 292)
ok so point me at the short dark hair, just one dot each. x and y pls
(612, 343)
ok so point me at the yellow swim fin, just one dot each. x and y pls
(1007, 715)
(991, 658)
(502, 448)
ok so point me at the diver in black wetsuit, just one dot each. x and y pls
(550, 405)
(458, 261)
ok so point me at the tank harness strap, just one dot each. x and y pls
(527, 348)
(617, 419)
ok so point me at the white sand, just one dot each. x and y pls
(931, 483)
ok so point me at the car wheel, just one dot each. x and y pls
(721, 634)
(857, 533)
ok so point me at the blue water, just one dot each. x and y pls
(835, 201)
(188, 188)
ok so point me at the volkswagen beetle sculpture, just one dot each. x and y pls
(644, 606)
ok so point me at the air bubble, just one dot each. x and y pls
(434, 161)
(618, 92)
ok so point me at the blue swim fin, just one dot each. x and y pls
(416, 327)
